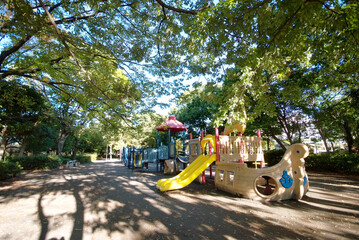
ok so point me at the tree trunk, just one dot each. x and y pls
(3, 142)
(322, 135)
(285, 126)
(332, 144)
(23, 147)
(61, 141)
(299, 132)
(278, 141)
(348, 136)
(75, 149)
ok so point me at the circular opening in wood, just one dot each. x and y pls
(266, 185)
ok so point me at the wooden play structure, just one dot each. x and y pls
(232, 155)
(239, 164)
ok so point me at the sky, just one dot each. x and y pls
(168, 98)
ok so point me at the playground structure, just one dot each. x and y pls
(232, 154)
(134, 157)
(163, 155)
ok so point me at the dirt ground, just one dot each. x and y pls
(105, 200)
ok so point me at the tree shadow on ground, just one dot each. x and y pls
(109, 200)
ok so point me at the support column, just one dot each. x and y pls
(158, 150)
(106, 151)
(111, 151)
(216, 131)
(204, 172)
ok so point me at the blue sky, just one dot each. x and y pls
(169, 99)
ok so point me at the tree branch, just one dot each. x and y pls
(326, 6)
(13, 49)
(179, 10)
(288, 20)
(24, 72)
(73, 19)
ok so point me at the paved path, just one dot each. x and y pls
(105, 200)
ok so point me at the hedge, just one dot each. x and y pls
(82, 158)
(9, 169)
(333, 162)
(13, 165)
(37, 161)
(273, 157)
(339, 162)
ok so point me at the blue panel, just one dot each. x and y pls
(286, 180)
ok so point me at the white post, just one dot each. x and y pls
(111, 151)
(106, 151)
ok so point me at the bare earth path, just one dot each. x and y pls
(105, 200)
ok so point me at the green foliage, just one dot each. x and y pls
(93, 156)
(43, 137)
(196, 109)
(84, 158)
(280, 58)
(21, 108)
(103, 55)
(19, 102)
(145, 133)
(338, 162)
(273, 157)
(9, 169)
(65, 159)
(333, 162)
(91, 140)
(37, 161)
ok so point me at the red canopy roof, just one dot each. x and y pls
(172, 124)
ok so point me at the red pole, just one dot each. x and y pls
(204, 172)
(190, 136)
(202, 136)
(210, 166)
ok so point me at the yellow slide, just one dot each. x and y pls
(187, 175)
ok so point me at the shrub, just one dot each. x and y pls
(83, 159)
(93, 156)
(65, 159)
(331, 162)
(37, 161)
(54, 161)
(9, 169)
(273, 157)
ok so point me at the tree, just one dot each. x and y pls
(21, 109)
(269, 40)
(81, 45)
(43, 138)
(331, 108)
(91, 140)
(196, 109)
